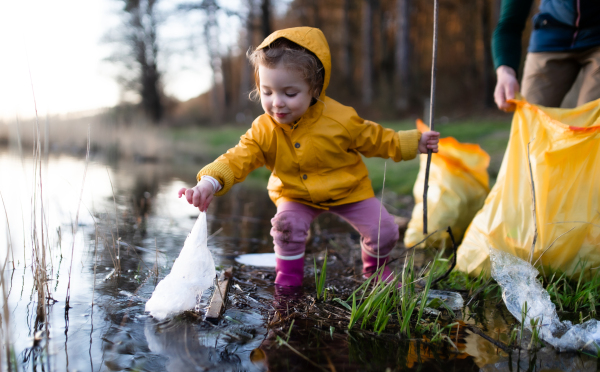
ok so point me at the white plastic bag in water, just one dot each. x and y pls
(519, 285)
(192, 273)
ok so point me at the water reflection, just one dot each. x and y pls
(131, 227)
(190, 347)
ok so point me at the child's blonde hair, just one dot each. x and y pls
(294, 57)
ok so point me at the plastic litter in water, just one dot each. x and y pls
(451, 299)
(192, 273)
(257, 259)
(519, 285)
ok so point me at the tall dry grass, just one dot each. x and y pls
(68, 134)
(4, 134)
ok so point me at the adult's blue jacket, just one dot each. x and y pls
(559, 26)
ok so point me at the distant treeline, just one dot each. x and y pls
(381, 56)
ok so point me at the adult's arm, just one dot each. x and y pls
(506, 50)
(506, 41)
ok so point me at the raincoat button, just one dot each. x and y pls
(304, 176)
(297, 145)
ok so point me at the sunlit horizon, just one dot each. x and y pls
(54, 51)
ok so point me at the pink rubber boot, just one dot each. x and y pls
(371, 264)
(289, 272)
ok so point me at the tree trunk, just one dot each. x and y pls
(266, 17)
(402, 61)
(143, 37)
(488, 65)
(346, 50)
(211, 33)
(245, 80)
(367, 53)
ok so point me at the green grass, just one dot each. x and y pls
(491, 135)
(374, 306)
(573, 293)
(321, 278)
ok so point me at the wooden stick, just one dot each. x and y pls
(431, 108)
(219, 298)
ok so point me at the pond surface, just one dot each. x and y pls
(102, 245)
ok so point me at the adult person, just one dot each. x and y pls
(564, 42)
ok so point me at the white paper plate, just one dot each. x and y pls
(257, 259)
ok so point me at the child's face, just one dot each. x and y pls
(284, 94)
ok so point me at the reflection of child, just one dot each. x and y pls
(312, 145)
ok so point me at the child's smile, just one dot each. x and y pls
(284, 94)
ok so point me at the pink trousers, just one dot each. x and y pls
(292, 222)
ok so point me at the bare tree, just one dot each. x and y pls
(140, 55)
(211, 9)
(346, 50)
(367, 54)
(245, 68)
(265, 8)
(402, 58)
(487, 70)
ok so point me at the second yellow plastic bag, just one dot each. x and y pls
(564, 152)
(458, 185)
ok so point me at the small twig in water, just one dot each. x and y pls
(498, 344)
(283, 342)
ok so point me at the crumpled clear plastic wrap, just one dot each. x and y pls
(519, 285)
(192, 273)
(452, 299)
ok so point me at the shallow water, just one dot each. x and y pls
(141, 231)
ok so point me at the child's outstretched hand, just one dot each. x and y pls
(429, 141)
(200, 195)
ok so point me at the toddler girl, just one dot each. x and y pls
(312, 145)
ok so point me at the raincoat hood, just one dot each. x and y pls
(311, 39)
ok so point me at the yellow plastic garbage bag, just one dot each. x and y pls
(564, 152)
(458, 185)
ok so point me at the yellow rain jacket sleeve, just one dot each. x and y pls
(317, 161)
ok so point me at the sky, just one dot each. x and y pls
(53, 51)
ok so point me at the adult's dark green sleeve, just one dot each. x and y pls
(506, 41)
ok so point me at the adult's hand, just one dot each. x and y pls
(507, 87)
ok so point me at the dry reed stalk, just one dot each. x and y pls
(5, 323)
(87, 157)
(38, 245)
(551, 244)
(9, 238)
(156, 258)
(118, 268)
(380, 208)
(533, 205)
(431, 107)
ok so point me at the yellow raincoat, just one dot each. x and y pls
(317, 160)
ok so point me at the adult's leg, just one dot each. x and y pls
(289, 231)
(379, 233)
(548, 76)
(590, 88)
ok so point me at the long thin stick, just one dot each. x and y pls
(380, 208)
(431, 108)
